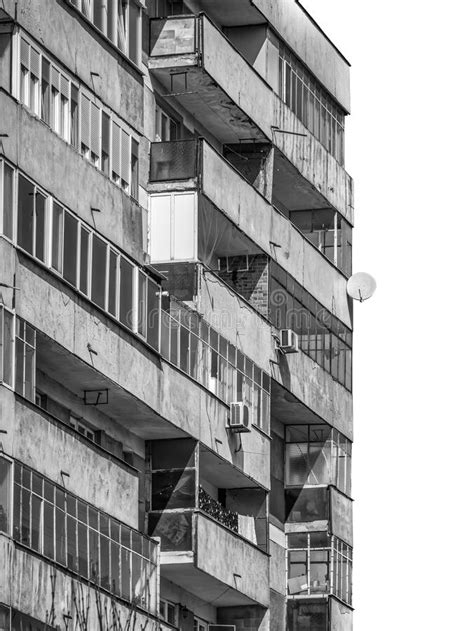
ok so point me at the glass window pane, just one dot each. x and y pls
(70, 248)
(57, 238)
(60, 536)
(5, 495)
(48, 530)
(104, 562)
(99, 263)
(126, 293)
(25, 214)
(40, 210)
(7, 201)
(72, 543)
(113, 268)
(84, 262)
(82, 549)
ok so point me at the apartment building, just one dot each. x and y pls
(175, 331)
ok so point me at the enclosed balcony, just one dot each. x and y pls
(202, 70)
(212, 522)
(75, 537)
(193, 217)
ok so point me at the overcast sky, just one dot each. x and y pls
(409, 149)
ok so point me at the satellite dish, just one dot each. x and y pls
(361, 286)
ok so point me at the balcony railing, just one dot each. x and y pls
(173, 36)
(173, 160)
(218, 512)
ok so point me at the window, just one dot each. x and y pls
(166, 127)
(25, 359)
(29, 76)
(84, 278)
(303, 615)
(169, 612)
(45, 91)
(74, 125)
(7, 330)
(5, 495)
(63, 528)
(311, 103)
(6, 199)
(78, 117)
(200, 625)
(329, 232)
(319, 564)
(70, 248)
(322, 336)
(31, 224)
(99, 271)
(6, 29)
(118, 20)
(317, 455)
(126, 293)
(197, 349)
(105, 153)
(26, 211)
(134, 166)
(82, 257)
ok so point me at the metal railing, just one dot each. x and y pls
(218, 512)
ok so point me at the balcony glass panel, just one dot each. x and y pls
(173, 160)
(69, 530)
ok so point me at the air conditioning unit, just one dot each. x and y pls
(239, 417)
(222, 627)
(288, 341)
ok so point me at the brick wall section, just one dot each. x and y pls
(252, 284)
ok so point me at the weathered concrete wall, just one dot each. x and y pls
(310, 44)
(262, 223)
(92, 414)
(312, 160)
(39, 589)
(341, 516)
(71, 322)
(92, 476)
(176, 594)
(232, 318)
(66, 34)
(277, 611)
(251, 284)
(278, 563)
(340, 616)
(223, 555)
(63, 172)
(316, 389)
(236, 77)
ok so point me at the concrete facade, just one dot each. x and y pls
(175, 332)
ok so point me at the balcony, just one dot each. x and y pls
(48, 520)
(203, 71)
(246, 224)
(44, 590)
(212, 522)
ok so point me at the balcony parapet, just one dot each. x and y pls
(203, 71)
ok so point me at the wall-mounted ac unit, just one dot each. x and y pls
(239, 417)
(222, 627)
(288, 341)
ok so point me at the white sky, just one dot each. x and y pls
(409, 149)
